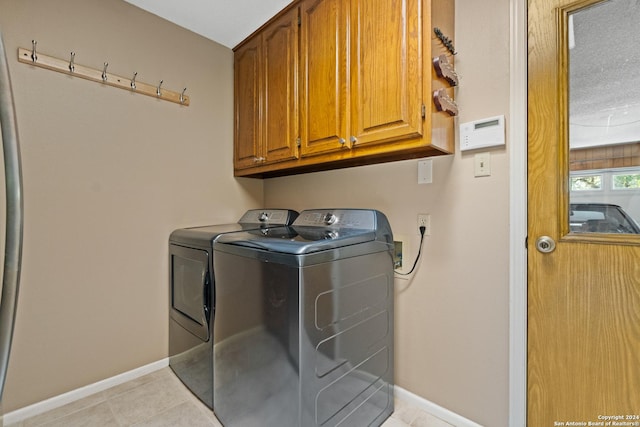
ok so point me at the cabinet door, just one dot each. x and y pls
(280, 102)
(247, 147)
(323, 76)
(386, 70)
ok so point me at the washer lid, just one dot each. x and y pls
(297, 240)
(317, 230)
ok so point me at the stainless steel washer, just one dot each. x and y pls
(303, 334)
(192, 296)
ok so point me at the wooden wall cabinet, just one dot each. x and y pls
(266, 99)
(365, 84)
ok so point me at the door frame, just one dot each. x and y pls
(518, 213)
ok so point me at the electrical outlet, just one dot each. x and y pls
(424, 220)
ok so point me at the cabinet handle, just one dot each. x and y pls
(258, 159)
(353, 139)
(342, 141)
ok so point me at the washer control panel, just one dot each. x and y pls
(337, 218)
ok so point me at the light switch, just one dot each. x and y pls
(482, 164)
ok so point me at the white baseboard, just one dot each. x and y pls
(434, 409)
(79, 393)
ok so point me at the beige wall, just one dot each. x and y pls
(452, 318)
(107, 176)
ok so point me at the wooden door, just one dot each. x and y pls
(279, 116)
(386, 70)
(584, 296)
(247, 99)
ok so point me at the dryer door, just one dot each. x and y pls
(190, 289)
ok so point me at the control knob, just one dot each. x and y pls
(330, 218)
(330, 235)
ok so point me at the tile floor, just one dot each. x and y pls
(161, 400)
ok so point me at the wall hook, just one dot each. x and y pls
(34, 55)
(446, 41)
(68, 66)
(104, 72)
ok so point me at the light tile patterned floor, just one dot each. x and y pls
(161, 400)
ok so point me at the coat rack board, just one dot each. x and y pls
(30, 56)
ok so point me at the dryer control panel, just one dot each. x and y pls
(268, 217)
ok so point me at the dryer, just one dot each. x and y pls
(192, 296)
(303, 334)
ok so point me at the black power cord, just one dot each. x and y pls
(422, 230)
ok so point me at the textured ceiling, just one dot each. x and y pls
(605, 74)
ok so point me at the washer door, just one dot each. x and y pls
(190, 289)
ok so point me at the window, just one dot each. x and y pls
(586, 183)
(626, 182)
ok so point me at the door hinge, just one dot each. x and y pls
(424, 111)
(526, 242)
(298, 142)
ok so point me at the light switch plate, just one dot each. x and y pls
(482, 164)
(425, 171)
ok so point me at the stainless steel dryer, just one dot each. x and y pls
(303, 334)
(192, 299)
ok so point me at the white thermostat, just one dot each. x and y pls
(483, 133)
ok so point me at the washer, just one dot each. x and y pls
(191, 296)
(303, 334)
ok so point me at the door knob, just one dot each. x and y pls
(545, 244)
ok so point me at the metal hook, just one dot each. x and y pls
(133, 81)
(104, 72)
(34, 55)
(158, 88)
(182, 95)
(72, 66)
